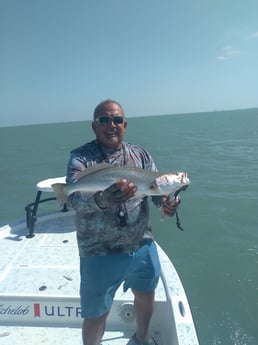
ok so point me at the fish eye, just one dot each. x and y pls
(154, 186)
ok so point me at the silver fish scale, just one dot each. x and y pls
(103, 175)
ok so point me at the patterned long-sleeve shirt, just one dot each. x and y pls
(100, 232)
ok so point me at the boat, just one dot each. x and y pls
(39, 286)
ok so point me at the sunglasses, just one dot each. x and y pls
(106, 120)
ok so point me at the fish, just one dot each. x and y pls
(101, 176)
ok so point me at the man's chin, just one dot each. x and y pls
(112, 141)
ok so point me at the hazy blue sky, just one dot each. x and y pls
(59, 58)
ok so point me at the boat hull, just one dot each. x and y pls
(39, 291)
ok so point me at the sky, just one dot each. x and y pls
(60, 58)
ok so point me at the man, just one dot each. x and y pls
(113, 231)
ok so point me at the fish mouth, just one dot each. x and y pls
(183, 188)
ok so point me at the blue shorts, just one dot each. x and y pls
(102, 275)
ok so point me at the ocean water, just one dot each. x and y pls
(217, 254)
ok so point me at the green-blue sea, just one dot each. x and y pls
(217, 254)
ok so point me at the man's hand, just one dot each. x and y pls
(117, 193)
(169, 207)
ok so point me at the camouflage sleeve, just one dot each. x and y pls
(149, 164)
(79, 201)
(140, 157)
(157, 200)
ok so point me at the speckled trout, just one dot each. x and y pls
(101, 176)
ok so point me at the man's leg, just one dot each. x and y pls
(143, 303)
(93, 330)
(100, 278)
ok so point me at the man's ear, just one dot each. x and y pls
(93, 125)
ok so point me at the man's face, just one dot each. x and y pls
(110, 133)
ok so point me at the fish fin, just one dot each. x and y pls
(93, 169)
(61, 196)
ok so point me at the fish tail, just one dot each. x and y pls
(61, 196)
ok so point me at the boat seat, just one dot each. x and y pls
(45, 185)
(32, 208)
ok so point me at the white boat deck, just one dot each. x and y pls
(39, 291)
